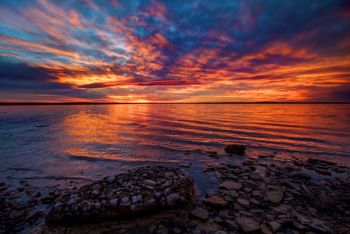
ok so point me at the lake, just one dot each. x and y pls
(78, 143)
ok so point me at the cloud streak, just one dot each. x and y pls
(250, 50)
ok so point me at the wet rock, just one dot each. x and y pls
(265, 229)
(243, 202)
(200, 213)
(110, 179)
(185, 164)
(247, 224)
(123, 197)
(300, 175)
(173, 199)
(231, 224)
(235, 149)
(322, 171)
(150, 203)
(215, 201)
(96, 187)
(314, 223)
(274, 196)
(113, 202)
(125, 201)
(230, 185)
(136, 199)
(150, 183)
(162, 230)
(95, 192)
(274, 225)
(213, 154)
(231, 193)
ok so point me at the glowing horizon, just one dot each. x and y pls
(169, 51)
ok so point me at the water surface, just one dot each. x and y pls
(83, 142)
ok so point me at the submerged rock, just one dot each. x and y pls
(88, 203)
(235, 149)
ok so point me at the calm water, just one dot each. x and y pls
(54, 143)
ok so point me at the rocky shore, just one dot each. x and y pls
(140, 191)
(254, 195)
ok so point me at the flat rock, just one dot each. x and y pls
(230, 185)
(247, 224)
(216, 201)
(200, 213)
(125, 196)
(243, 202)
(274, 196)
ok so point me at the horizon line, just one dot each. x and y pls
(123, 103)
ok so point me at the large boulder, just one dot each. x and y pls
(235, 149)
(140, 191)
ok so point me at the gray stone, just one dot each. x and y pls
(150, 183)
(95, 192)
(125, 201)
(162, 230)
(172, 199)
(98, 205)
(265, 229)
(243, 202)
(275, 225)
(274, 196)
(110, 179)
(231, 193)
(136, 199)
(96, 187)
(220, 232)
(230, 185)
(231, 224)
(185, 164)
(150, 202)
(215, 201)
(200, 213)
(71, 202)
(247, 224)
(113, 202)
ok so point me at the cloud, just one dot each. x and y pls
(251, 50)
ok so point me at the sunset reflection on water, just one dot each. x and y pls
(90, 141)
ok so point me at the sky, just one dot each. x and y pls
(174, 51)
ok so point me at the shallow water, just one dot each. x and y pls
(46, 144)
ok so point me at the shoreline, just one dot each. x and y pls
(164, 103)
(254, 195)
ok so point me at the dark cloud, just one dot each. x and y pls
(81, 49)
(21, 77)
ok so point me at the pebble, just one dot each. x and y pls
(200, 213)
(230, 185)
(274, 196)
(172, 199)
(113, 202)
(247, 224)
(136, 199)
(215, 201)
(243, 202)
(110, 179)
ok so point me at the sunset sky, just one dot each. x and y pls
(174, 51)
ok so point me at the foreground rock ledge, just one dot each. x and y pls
(139, 191)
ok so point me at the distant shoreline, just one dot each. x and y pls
(133, 103)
